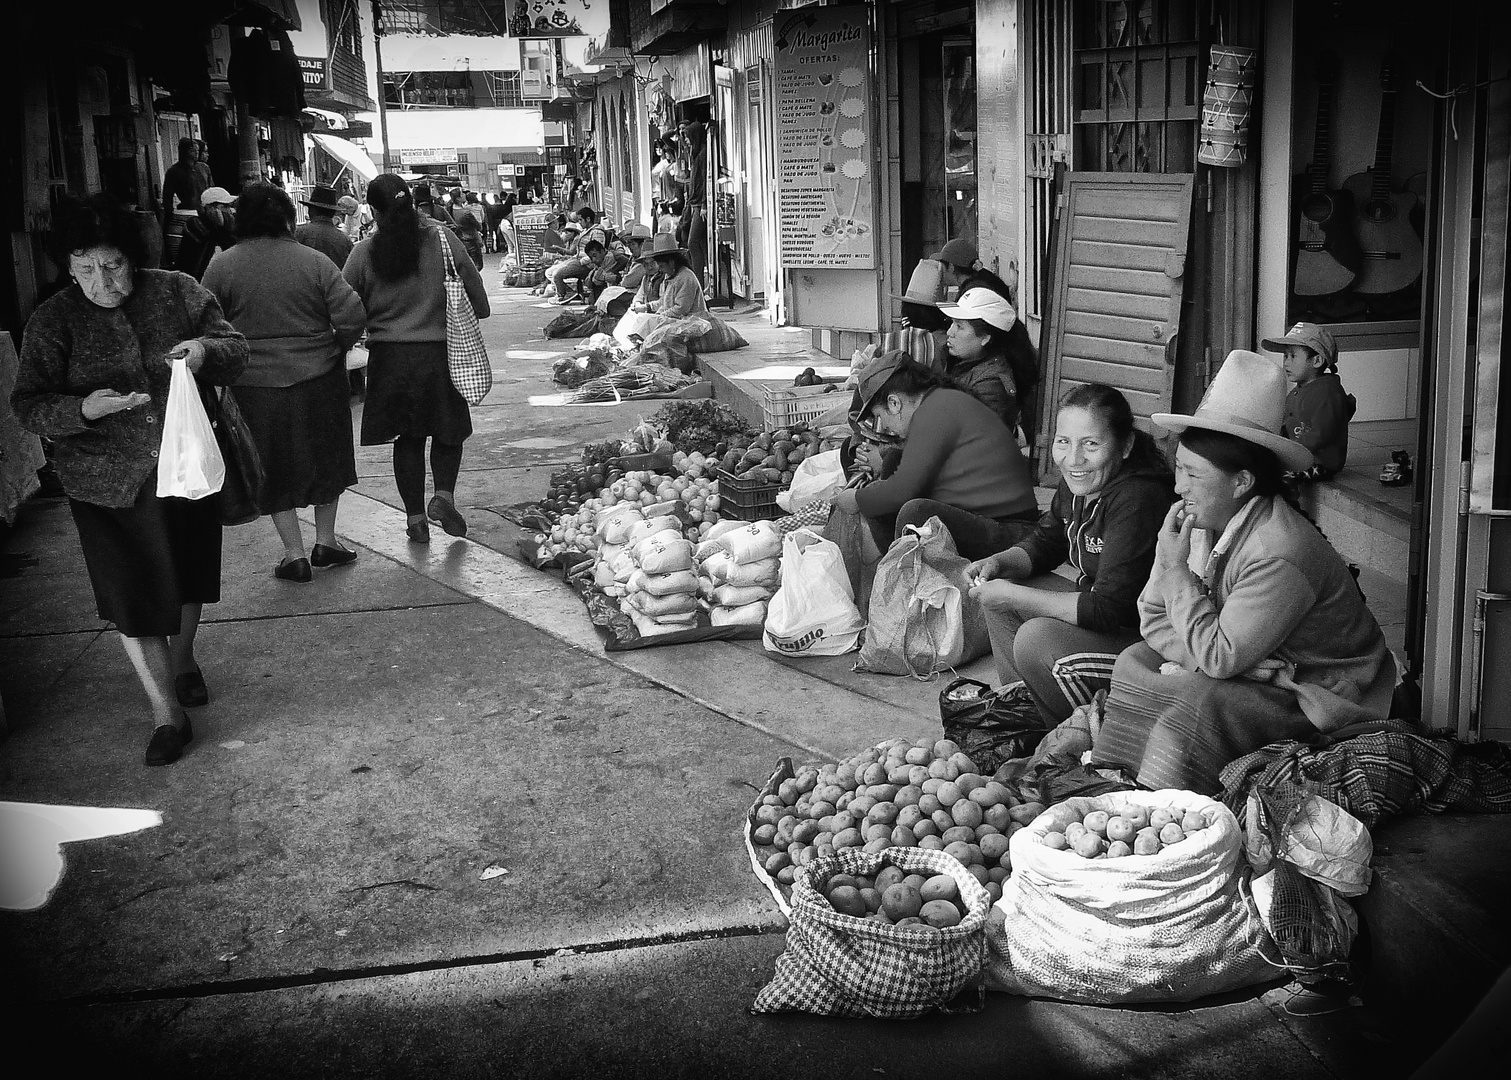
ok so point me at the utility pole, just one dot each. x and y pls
(382, 96)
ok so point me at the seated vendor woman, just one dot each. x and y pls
(1254, 630)
(977, 359)
(1115, 488)
(959, 462)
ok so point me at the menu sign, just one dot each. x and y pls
(824, 100)
(530, 231)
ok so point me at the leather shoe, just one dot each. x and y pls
(322, 555)
(447, 516)
(168, 743)
(294, 570)
(191, 689)
(419, 532)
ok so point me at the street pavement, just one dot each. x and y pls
(428, 827)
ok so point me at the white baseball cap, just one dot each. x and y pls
(985, 305)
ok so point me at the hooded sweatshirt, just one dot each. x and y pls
(1109, 538)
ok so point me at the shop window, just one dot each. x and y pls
(1137, 84)
(503, 87)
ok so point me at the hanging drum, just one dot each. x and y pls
(1227, 104)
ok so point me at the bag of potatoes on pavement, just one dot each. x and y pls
(914, 955)
(1128, 897)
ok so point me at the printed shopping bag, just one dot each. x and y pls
(813, 613)
(189, 465)
(815, 479)
(466, 355)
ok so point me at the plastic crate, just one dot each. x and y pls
(788, 405)
(748, 500)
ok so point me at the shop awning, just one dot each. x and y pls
(349, 154)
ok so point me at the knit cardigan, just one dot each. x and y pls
(73, 347)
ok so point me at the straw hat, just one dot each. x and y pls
(637, 231)
(663, 246)
(983, 304)
(1246, 400)
(926, 286)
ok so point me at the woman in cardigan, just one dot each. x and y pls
(959, 462)
(1114, 490)
(400, 276)
(1254, 630)
(671, 289)
(96, 362)
(299, 316)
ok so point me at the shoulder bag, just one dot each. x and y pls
(236, 501)
(466, 355)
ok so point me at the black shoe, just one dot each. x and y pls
(321, 555)
(294, 570)
(419, 532)
(447, 516)
(168, 743)
(191, 690)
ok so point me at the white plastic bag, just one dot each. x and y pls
(815, 478)
(189, 465)
(814, 613)
(636, 324)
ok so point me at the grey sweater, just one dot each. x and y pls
(414, 308)
(73, 347)
(298, 313)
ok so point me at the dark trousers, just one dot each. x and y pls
(975, 536)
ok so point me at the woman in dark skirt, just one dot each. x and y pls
(299, 316)
(400, 275)
(96, 362)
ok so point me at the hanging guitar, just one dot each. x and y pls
(1327, 253)
(1392, 250)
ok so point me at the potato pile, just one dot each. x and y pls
(897, 897)
(904, 794)
(1136, 831)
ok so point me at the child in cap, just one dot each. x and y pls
(1317, 409)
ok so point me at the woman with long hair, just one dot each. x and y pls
(299, 316)
(1115, 487)
(400, 275)
(1254, 631)
(96, 362)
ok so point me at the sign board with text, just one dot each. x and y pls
(431, 155)
(824, 104)
(530, 230)
(312, 70)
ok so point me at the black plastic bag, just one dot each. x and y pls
(990, 726)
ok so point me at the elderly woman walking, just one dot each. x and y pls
(299, 316)
(96, 361)
(400, 275)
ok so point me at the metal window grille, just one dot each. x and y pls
(504, 88)
(1047, 116)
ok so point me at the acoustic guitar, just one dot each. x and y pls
(1392, 250)
(1327, 254)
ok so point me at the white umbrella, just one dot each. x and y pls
(350, 155)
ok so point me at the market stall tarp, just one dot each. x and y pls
(347, 153)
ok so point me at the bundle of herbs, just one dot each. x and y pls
(703, 425)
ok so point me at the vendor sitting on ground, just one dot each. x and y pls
(977, 358)
(1115, 487)
(1254, 630)
(670, 289)
(959, 462)
(608, 267)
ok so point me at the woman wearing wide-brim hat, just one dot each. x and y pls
(671, 289)
(1254, 629)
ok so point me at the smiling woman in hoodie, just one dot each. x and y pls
(1115, 488)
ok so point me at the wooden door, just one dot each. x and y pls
(1119, 269)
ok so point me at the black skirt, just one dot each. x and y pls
(304, 436)
(409, 392)
(149, 559)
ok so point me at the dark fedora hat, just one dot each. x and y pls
(323, 198)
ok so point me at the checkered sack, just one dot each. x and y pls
(840, 965)
(466, 355)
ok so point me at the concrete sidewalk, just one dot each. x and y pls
(427, 826)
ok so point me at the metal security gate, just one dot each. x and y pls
(1119, 268)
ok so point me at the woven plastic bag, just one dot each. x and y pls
(189, 464)
(840, 965)
(813, 613)
(922, 619)
(1173, 926)
(466, 355)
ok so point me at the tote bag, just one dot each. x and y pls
(466, 355)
